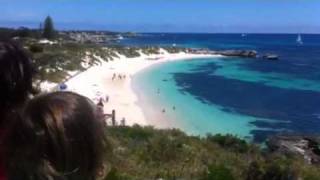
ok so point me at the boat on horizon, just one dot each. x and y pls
(299, 39)
(270, 57)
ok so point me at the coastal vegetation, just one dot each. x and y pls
(147, 153)
(55, 61)
(60, 57)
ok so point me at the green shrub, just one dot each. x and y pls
(133, 133)
(218, 172)
(275, 172)
(255, 171)
(36, 48)
(229, 142)
(113, 175)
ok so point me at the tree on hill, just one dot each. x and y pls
(48, 29)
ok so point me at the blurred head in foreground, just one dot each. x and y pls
(15, 78)
(60, 137)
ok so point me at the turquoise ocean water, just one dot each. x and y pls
(250, 98)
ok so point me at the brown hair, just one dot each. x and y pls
(15, 76)
(60, 137)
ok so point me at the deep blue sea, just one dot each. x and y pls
(250, 98)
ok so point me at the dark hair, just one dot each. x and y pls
(15, 77)
(60, 137)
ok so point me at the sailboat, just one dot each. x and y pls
(299, 39)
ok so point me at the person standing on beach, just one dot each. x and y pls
(107, 98)
(123, 122)
(100, 103)
(100, 109)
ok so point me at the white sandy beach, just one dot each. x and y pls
(97, 83)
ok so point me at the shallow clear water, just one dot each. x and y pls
(251, 98)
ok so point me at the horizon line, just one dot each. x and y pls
(160, 32)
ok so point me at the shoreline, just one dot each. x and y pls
(99, 82)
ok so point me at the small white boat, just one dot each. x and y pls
(119, 37)
(299, 39)
(243, 35)
(271, 57)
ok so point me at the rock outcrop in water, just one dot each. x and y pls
(306, 146)
(239, 53)
(234, 53)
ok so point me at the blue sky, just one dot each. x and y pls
(168, 15)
